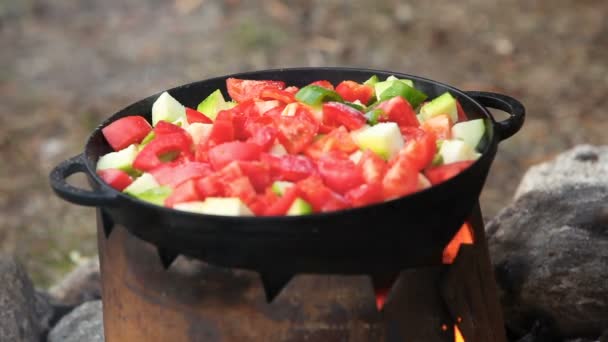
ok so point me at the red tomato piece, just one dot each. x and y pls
(164, 128)
(337, 140)
(442, 173)
(282, 204)
(296, 132)
(365, 194)
(149, 157)
(323, 83)
(338, 114)
(420, 146)
(320, 197)
(241, 188)
(264, 137)
(352, 91)
(222, 131)
(440, 126)
(115, 178)
(289, 167)
(223, 154)
(185, 192)
(372, 167)
(462, 116)
(174, 175)
(277, 94)
(243, 90)
(400, 179)
(126, 131)
(398, 110)
(338, 173)
(263, 202)
(195, 116)
(258, 173)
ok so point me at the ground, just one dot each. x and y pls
(68, 64)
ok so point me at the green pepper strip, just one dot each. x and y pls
(412, 95)
(373, 116)
(314, 95)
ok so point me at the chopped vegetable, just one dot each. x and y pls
(275, 150)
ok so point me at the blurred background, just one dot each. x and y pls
(68, 64)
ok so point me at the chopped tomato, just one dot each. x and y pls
(320, 197)
(372, 167)
(440, 126)
(442, 173)
(420, 146)
(222, 131)
(352, 91)
(223, 154)
(195, 116)
(126, 131)
(277, 94)
(400, 179)
(264, 106)
(258, 173)
(365, 194)
(289, 167)
(323, 83)
(263, 202)
(185, 192)
(243, 90)
(229, 182)
(149, 157)
(398, 110)
(164, 128)
(338, 114)
(173, 175)
(337, 140)
(462, 116)
(115, 178)
(264, 137)
(339, 174)
(282, 204)
(296, 132)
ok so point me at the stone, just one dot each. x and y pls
(85, 323)
(20, 307)
(81, 285)
(550, 246)
(583, 164)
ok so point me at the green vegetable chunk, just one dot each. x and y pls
(398, 88)
(213, 103)
(299, 207)
(373, 116)
(314, 95)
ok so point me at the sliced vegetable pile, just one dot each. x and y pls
(278, 150)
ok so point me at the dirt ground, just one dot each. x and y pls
(68, 64)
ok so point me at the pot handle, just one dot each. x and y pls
(516, 110)
(73, 194)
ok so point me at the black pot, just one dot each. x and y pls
(407, 232)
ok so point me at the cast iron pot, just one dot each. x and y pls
(407, 232)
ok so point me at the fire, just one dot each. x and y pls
(464, 236)
(458, 335)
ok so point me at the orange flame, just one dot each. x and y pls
(464, 236)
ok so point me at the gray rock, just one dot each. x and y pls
(550, 247)
(85, 323)
(19, 321)
(581, 165)
(81, 285)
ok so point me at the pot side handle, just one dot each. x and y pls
(58, 179)
(516, 110)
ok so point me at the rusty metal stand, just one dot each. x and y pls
(193, 301)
